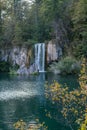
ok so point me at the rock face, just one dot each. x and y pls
(27, 70)
(54, 51)
(21, 56)
(24, 57)
(15, 55)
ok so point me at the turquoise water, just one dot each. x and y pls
(22, 97)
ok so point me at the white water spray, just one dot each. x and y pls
(40, 57)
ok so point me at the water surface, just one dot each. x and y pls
(22, 97)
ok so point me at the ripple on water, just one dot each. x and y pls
(16, 94)
(16, 90)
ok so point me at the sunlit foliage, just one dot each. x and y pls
(73, 103)
(21, 125)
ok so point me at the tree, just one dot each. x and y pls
(79, 20)
(2, 9)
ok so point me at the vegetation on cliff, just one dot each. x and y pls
(4, 66)
(23, 22)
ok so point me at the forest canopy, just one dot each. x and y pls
(28, 22)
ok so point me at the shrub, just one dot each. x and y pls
(4, 66)
(80, 49)
(13, 69)
(67, 65)
(7, 67)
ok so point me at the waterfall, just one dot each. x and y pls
(40, 56)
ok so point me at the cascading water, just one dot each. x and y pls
(40, 57)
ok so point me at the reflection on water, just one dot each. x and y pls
(22, 97)
(70, 80)
(21, 87)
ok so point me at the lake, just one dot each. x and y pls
(23, 97)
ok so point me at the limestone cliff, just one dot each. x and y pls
(54, 51)
(24, 57)
(16, 55)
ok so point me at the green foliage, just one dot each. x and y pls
(65, 20)
(30, 42)
(13, 69)
(7, 67)
(4, 66)
(80, 50)
(35, 73)
(23, 21)
(67, 65)
(79, 21)
(53, 9)
(17, 34)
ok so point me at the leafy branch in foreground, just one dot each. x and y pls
(21, 125)
(73, 104)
